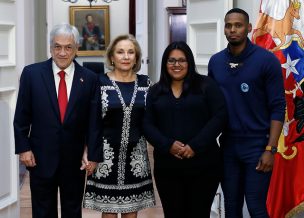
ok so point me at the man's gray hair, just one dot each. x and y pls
(66, 30)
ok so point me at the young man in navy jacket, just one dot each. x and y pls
(251, 80)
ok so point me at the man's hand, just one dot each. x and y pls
(27, 158)
(91, 167)
(84, 161)
(266, 162)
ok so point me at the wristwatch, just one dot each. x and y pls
(272, 149)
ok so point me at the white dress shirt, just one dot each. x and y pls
(69, 74)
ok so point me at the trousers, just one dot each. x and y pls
(241, 180)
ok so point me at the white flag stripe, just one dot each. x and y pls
(273, 9)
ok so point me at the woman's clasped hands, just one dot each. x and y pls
(181, 150)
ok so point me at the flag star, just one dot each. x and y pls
(290, 66)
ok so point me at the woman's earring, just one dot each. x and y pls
(112, 63)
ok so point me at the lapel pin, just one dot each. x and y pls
(81, 80)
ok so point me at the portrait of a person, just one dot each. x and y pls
(93, 37)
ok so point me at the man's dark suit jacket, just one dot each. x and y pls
(37, 124)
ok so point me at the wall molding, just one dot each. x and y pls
(7, 89)
(8, 159)
(202, 31)
(7, 47)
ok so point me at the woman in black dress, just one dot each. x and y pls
(122, 183)
(185, 113)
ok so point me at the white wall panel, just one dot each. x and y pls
(205, 29)
(8, 161)
(5, 151)
(200, 33)
(7, 46)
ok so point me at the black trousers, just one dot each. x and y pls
(44, 192)
(188, 195)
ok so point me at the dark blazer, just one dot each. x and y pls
(37, 124)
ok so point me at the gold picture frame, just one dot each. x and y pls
(93, 25)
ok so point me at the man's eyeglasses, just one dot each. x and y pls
(68, 48)
(172, 61)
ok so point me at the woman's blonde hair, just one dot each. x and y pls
(111, 47)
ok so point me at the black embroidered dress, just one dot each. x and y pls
(122, 183)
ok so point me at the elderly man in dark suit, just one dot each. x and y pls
(55, 118)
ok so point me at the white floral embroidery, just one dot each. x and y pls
(125, 131)
(139, 163)
(119, 187)
(103, 88)
(104, 168)
(104, 102)
(119, 204)
(143, 89)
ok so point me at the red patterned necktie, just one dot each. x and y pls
(62, 95)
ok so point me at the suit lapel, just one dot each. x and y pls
(48, 78)
(77, 85)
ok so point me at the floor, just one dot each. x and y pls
(26, 210)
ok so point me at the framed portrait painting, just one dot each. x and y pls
(93, 26)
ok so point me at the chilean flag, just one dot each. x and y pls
(280, 29)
